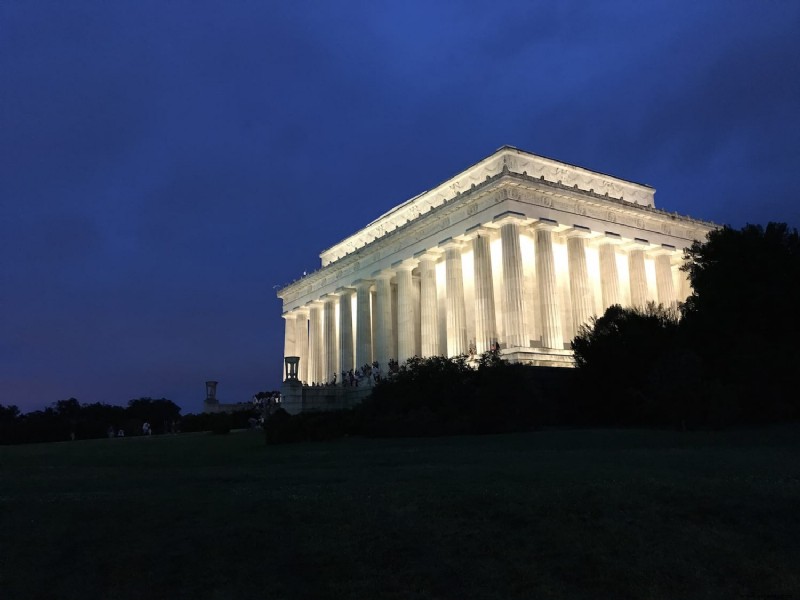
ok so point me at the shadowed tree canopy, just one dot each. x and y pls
(746, 296)
(628, 359)
(732, 357)
(157, 412)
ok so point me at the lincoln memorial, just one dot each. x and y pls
(516, 251)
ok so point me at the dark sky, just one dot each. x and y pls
(165, 165)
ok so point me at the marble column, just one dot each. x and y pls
(383, 321)
(579, 286)
(664, 282)
(331, 341)
(428, 306)
(315, 349)
(513, 295)
(548, 287)
(289, 335)
(485, 320)
(638, 277)
(301, 344)
(454, 291)
(609, 276)
(346, 357)
(406, 339)
(363, 323)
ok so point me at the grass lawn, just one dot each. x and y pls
(576, 514)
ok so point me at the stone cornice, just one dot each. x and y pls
(505, 160)
(433, 221)
(614, 211)
(568, 203)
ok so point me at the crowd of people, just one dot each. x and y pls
(368, 374)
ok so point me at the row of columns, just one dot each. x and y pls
(326, 347)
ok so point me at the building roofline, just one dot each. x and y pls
(379, 229)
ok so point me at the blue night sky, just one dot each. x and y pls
(165, 165)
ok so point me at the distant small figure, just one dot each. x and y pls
(110, 431)
(334, 378)
(146, 428)
(121, 433)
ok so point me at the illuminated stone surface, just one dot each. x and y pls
(518, 249)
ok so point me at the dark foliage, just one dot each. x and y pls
(162, 414)
(442, 396)
(627, 360)
(730, 360)
(69, 419)
(742, 318)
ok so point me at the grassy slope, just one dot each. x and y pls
(548, 514)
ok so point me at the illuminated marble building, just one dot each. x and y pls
(517, 250)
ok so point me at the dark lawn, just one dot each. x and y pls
(577, 514)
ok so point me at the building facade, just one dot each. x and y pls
(516, 251)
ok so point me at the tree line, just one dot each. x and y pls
(70, 420)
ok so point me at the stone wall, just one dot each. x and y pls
(297, 398)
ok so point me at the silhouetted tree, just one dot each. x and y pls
(8, 414)
(9, 418)
(623, 357)
(742, 316)
(159, 413)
